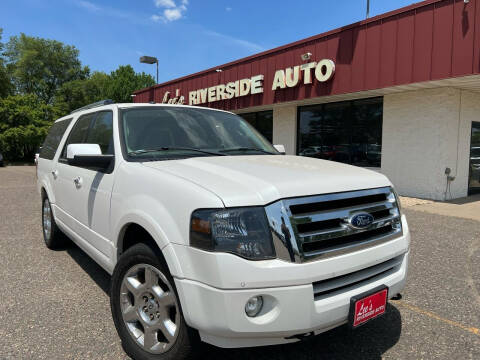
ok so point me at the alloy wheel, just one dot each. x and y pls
(149, 308)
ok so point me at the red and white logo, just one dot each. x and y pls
(370, 307)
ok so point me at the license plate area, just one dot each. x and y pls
(367, 306)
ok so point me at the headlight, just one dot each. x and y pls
(240, 231)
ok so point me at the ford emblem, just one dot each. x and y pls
(360, 220)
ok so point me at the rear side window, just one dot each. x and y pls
(50, 145)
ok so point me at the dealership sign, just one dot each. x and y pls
(290, 77)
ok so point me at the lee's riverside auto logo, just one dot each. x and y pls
(370, 307)
(321, 71)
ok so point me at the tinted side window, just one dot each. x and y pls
(348, 132)
(78, 135)
(53, 139)
(102, 132)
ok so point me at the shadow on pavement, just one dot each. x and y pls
(465, 200)
(95, 271)
(368, 342)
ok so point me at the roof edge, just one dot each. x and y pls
(383, 16)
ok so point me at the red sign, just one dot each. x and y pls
(370, 307)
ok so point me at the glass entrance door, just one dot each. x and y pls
(474, 178)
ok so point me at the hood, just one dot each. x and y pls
(262, 179)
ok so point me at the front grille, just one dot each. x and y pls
(319, 226)
(330, 287)
(352, 239)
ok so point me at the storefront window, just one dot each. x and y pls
(348, 132)
(262, 121)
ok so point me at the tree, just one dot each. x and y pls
(77, 93)
(118, 86)
(49, 81)
(24, 123)
(124, 81)
(40, 66)
(5, 84)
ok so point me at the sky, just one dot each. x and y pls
(185, 35)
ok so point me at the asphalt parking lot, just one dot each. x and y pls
(55, 305)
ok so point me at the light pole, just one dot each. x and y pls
(150, 60)
(368, 8)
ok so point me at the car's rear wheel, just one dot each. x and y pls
(52, 235)
(146, 310)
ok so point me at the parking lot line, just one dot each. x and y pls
(432, 315)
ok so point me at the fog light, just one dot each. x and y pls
(254, 306)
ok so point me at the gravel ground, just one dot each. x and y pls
(409, 201)
(54, 304)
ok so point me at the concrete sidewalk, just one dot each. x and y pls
(465, 208)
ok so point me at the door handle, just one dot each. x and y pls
(55, 174)
(78, 182)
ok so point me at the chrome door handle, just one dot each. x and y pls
(55, 174)
(78, 182)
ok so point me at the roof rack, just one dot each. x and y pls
(94, 105)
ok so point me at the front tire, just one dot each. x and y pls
(52, 235)
(146, 309)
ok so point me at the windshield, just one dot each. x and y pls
(173, 132)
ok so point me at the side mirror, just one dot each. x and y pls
(280, 149)
(89, 156)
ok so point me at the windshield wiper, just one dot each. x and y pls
(167, 148)
(248, 149)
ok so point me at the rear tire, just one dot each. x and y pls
(146, 309)
(52, 235)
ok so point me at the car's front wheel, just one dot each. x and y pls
(146, 310)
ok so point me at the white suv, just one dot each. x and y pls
(212, 234)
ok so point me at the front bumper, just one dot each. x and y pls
(214, 288)
(289, 311)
